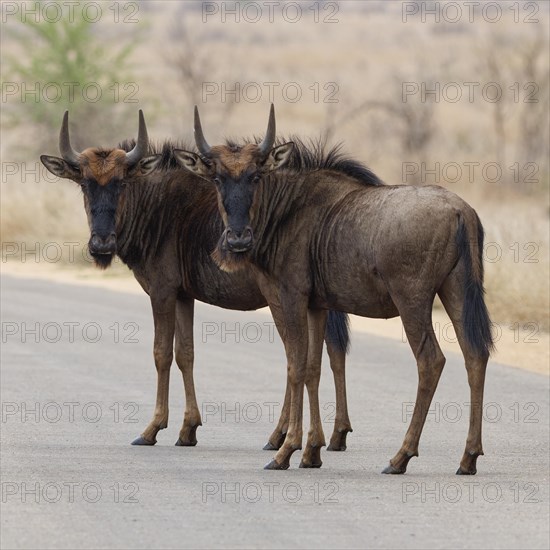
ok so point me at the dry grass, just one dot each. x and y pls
(369, 53)
(516, 261)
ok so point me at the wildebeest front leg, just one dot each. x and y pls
(430, 362)
(185, 359)
(295, 339)
(317, 320)
(277, 438)
(279, 433)
(164, 319)
(342, 424)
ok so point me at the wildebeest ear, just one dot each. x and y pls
(61, 168)
(192, 162)
(145, 166)
(278, 156)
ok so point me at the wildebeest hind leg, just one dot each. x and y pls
(342, 424)
(417, 321)
(452, 296)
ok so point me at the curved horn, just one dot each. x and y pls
(202, 144)
(67, 152)
(269, 139)
(142, 144)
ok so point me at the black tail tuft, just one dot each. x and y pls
(475, 317)
(337, 332)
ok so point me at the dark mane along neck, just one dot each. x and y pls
(314, 175)
(315, 154)
(171, 207)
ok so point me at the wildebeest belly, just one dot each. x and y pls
(237, 291)
(355, 291)
(345, 273)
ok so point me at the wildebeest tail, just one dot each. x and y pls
(337, 332)
(476, 322)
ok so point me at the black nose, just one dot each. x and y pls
(103, 245)
(239, 241)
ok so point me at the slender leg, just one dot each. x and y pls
(452, 297)
(185, 359)
(295, 339)
(317, 320)
(430, 361)
(277, 438)
(279, 433)
(164, 319)
(342, 424)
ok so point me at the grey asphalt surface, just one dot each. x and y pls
(73, 400)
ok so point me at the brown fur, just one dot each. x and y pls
(230, 263)
(167, 225)
(234, 161)
(334, 240)
(177, 263)
(103, 166)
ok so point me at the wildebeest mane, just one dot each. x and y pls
(307, 156)
(315, 154)
(157, 209)
(165, 149)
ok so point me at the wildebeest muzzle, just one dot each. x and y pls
(100, 245)
(239, 241)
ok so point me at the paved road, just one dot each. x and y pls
(75, 395)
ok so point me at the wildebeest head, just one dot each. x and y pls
(102, 175)
(236, 171)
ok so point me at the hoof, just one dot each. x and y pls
(461, 472)
(142, 441)
(392, 470)
(279, 438)
(338, 440)
(181, 443)
(189, 439)
(274, 465)
(468, 463)
(305, 465)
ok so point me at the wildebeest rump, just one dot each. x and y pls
(339, 239)
(163, 223)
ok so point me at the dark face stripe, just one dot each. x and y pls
(237, 198)
(102, 202)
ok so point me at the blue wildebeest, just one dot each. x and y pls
(328, 239)
(163, 223)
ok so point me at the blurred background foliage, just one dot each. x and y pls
(164, 56)
(66, 64)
